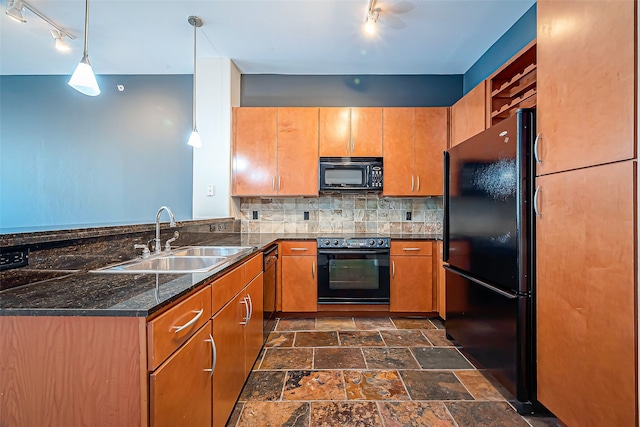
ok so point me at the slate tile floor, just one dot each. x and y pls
(369, 372)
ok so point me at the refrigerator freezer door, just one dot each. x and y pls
(493, 328)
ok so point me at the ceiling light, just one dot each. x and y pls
(83, 80)
(194, 139)
(15, 10)
(61, 45)
(371, 18)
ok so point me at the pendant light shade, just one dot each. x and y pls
(194, 139)
(83, 80)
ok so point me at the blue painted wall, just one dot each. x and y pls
(68, 160)
(511, 42)
(275, 90)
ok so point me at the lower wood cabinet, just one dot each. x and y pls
(411, 281)
(180, 389)
(441, 281)
(299, 283)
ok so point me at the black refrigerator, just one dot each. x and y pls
(489, 232)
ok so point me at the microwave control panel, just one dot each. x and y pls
(376, 176)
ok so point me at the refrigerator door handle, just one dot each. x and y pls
(481, 283)
(445, 207)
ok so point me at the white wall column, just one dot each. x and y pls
(217, 91)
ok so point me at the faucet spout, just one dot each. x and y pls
(172, 223)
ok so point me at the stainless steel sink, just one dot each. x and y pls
(207, 251)
(169, 264)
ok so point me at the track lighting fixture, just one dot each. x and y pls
(83, 80)
(16, 11)
(194, 139)
(371, 18)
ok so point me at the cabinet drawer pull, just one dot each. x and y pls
(393, 269)
(410, 249)
(418, 177)
(535, 202)
(535, 149)
(412, 183)
(313, 269)
(190, 322)
(299, 249)
(246, 311)
(214, 355)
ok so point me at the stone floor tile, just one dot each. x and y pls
(296, 325)
(263, 385)
(482, 414)
(389, 358)
(374, 385)
(405, 338)
(479, 387)
(437, 322)
(412, 323)
(415, 414)
(279, 339)
(440, 358)
(434, 385)
(287, 358)
(338, 358)
(374, 323)
(316, 339)
(280, 414)
(335, 324)
(542, 421)
(360, 339)
(438, 337)
(235, 415)
(314, 385)
(341, 414)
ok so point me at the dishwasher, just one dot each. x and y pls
(270, 260)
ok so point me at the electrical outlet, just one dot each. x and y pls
(255, 214)
(211, 190)
(306, 216)
(408, 216)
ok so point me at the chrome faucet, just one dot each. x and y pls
(157, 246)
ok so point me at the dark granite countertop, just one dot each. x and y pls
(81, 292)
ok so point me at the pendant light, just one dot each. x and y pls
(83, 80)
(194, 139)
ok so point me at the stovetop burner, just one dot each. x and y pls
(354, 242)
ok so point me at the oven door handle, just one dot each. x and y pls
(354, 251)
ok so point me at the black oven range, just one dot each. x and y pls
(353, 270)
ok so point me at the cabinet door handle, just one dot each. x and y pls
(348, 146)
(190, 322)
(535, 149)
(418, 176)
(353, 145)
(214, 355)
(535, 202)
(412, 182)
(299, 249)
(250, 307)
(393, 269)
(279, 182)
(313, 269)
(246, 311)
(273, 183)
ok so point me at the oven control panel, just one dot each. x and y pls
(354, 242)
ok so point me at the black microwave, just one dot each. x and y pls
(351, 174)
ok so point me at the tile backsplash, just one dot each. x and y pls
(342, 213)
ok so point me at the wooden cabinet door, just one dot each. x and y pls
(299, 284)
(297, 152)
(253, 330)
(586, 83)
(366, 132)
(335, 132)
(432, 135)
(468, 115)
(585, 295)
(180, 389)
(411, 284)
(254, 151)
(399, 163)
(229, 375)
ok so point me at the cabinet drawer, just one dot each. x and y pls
(412, 247)
(299, 247)
(224, 288)
(252, 268)
(173, 328)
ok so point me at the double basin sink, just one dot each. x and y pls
(194, 259)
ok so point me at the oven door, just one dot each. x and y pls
(348, 276)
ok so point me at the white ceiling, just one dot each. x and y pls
(260, 36)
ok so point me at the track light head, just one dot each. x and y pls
(61, 44)
(15, 10)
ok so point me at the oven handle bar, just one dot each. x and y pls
(353, 251)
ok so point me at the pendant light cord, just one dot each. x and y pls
(195, 38)
(86, 30)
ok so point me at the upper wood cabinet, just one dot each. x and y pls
(586, 92)
(350, 132)
(275, 151)
(468, 115)
(414, 140)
